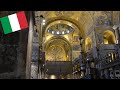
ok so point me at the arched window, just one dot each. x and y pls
(109, 37)
(111, 57)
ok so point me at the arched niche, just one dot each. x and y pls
(109, 37)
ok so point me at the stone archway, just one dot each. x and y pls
(74, 24)
(60, 47)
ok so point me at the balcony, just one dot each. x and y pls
(111, 64)
(106, 53)
(108, 47)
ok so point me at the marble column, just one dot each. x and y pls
(29, 47)
(117, 32)
(116, 29)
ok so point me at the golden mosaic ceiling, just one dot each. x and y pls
(57, 49)
(83, 23)
(55, 53)
(59, 42)
(82, 19)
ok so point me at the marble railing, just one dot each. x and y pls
(107, 65)
(59, 67)
(108, 46)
